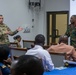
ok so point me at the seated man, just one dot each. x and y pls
(27, 65)
(4, 52)
(41, 53)
(63, 47)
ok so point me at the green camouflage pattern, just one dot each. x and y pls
(71, 31)
(18, 43)
(4, 37)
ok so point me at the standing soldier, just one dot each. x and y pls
(71, 31)
(5, 31)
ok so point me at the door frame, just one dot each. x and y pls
(53, 20)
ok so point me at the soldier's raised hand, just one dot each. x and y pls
(19, 29)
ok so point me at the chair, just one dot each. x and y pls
(53, 43)
(28, 43)
(16, 52)
(57, 58)
(46, 46)
(13, 44)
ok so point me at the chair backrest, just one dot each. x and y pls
(27, 43)
(57, 58)
(13, 44)
(53, 43)
(16, 52)
(46, 46)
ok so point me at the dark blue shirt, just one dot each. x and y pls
(5, 70)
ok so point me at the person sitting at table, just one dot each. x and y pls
(63, 47)
(4, 52)
(27, 65)
(41, 53)
(17, 39)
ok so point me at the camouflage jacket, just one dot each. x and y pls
(4, 37)
(18, 43)
(71, 31)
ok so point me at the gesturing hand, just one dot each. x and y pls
(19, 29)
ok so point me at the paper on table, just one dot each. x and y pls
(60, 68)
(69, 62)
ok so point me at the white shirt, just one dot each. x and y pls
(43, 54)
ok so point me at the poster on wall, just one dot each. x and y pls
(26, 30)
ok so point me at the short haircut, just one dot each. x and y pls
(64, 39)
(39, 39)
(4, 52)
(28, 65)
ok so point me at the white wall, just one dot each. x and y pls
(57, 5)
(72, 7)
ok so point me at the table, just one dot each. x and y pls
(67, 71)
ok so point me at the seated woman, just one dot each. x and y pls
(27, 65)
(17, 39)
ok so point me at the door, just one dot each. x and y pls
(56, 25)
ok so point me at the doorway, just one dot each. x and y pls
(56, 25)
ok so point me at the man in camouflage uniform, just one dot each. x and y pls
(5, 31)
(71, 30)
